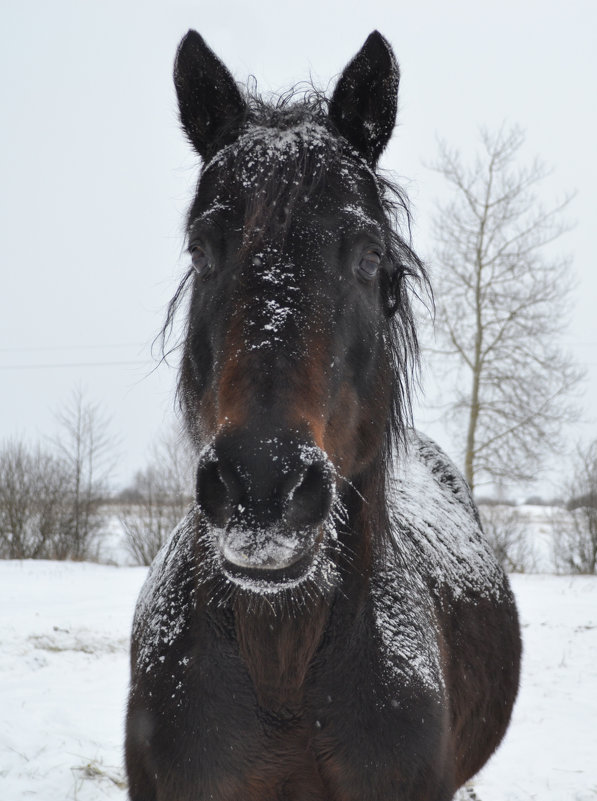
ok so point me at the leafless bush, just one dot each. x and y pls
(50, 498)
(162, 493)
(35, 515)
(575, 544)
(505, 530)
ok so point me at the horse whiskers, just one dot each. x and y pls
(347, 481)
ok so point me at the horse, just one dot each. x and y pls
(328, 622)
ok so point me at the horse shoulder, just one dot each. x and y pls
(437, 531)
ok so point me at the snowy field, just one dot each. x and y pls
(64, 668)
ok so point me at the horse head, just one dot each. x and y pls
(299, 332)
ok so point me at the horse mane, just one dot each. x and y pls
(302, 176)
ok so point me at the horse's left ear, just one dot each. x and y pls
(210, 104)
(363, 106)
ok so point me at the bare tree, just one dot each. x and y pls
(34, 514)
(161, 495)
(507, 534)
(575, 542)
(502, 302)
(87, 449)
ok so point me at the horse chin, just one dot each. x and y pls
(268, 560)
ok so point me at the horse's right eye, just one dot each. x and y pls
(369, 265)
(200, 259)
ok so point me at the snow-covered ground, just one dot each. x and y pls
(64, 668)
(64, 632)
(550, 750)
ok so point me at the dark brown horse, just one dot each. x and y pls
(328, 622)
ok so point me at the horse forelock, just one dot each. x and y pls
(280, 167)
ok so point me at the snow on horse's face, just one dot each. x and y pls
(288, 367)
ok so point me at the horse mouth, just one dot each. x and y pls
(274, 558)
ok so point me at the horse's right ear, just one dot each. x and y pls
(363, 106)
(210, 104)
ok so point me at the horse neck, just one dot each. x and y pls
(364, 537)
(277, 646)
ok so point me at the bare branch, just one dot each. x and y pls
(502, 303)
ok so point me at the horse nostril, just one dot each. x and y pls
(243, 484)
(213, 494)
(310, 501)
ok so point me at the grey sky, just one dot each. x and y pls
(96, 177)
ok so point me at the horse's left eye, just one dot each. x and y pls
(199, 258)
(369, 265)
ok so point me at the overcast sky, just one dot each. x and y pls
(95, 176)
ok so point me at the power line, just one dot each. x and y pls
(71, 364)
(74, 347)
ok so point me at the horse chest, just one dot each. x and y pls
(345, 731)
(278, 764)
(332, 748)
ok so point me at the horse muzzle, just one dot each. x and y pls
(266, 500)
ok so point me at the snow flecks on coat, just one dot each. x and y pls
(166, 600)
(405, 625)
(435, 524)
(437, 553)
